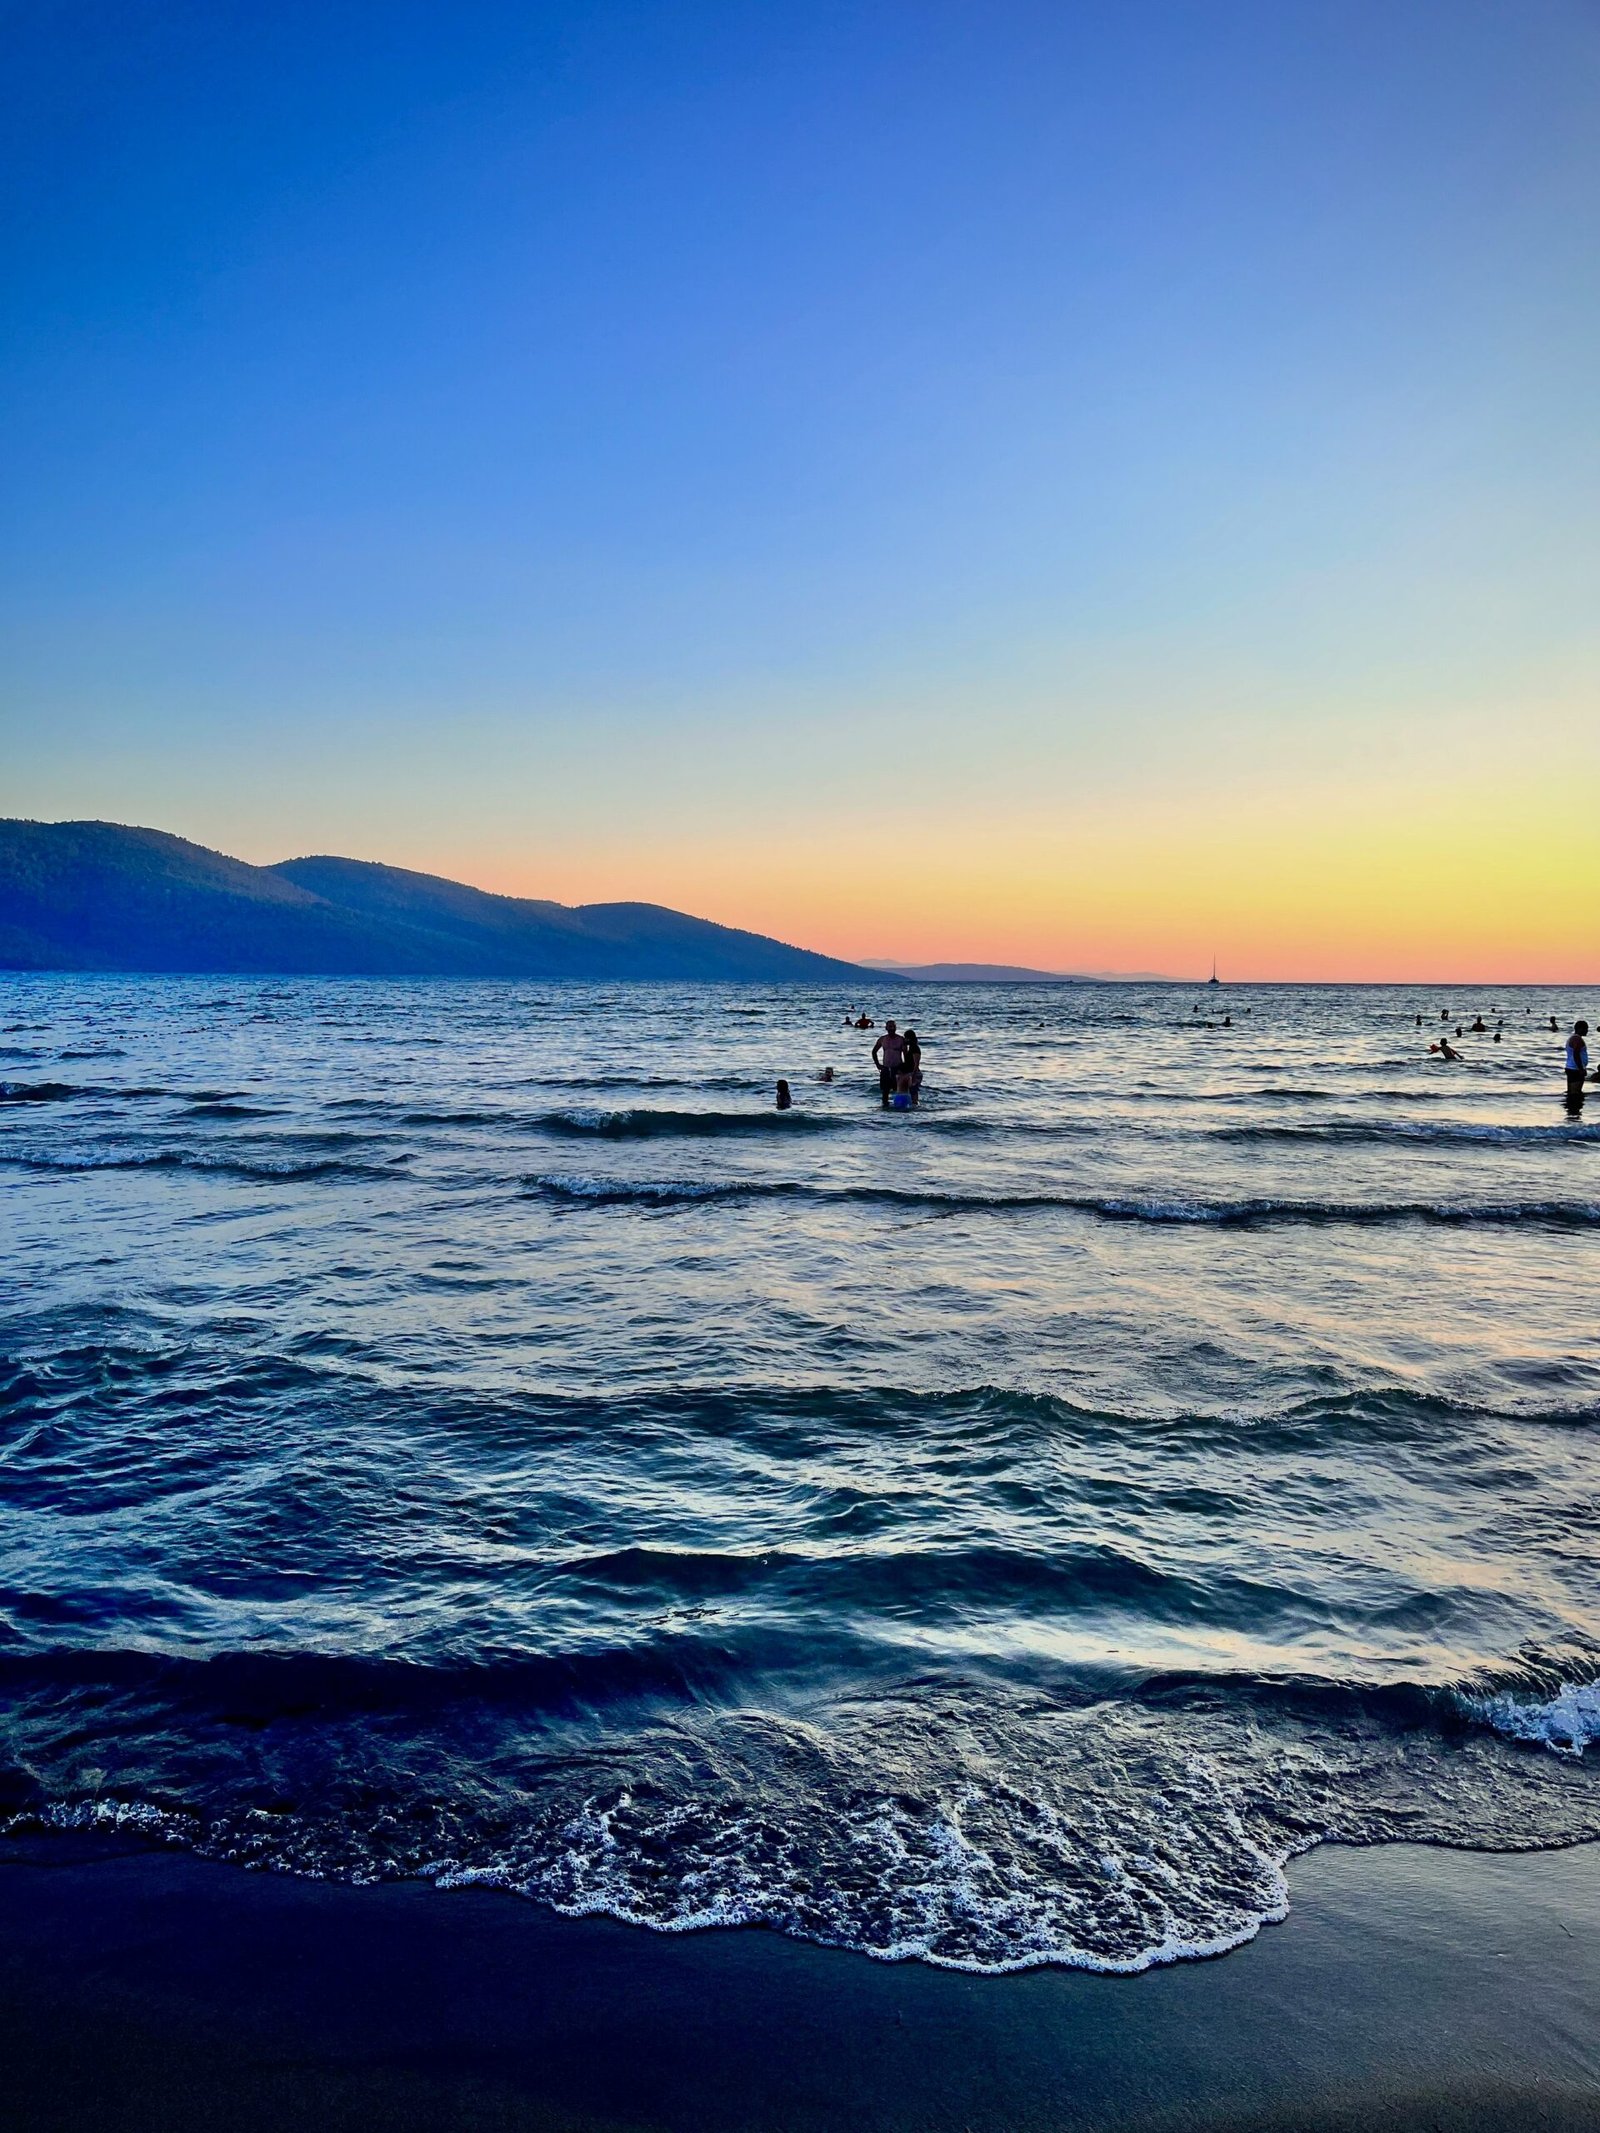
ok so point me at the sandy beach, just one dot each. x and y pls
(1409, 1988)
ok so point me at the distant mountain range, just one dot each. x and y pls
(1008, 974)
(99, 896)
(975, 973)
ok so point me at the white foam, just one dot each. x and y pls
(1566, 1723)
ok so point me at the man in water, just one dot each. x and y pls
(886, 1058)
(1577, 1065)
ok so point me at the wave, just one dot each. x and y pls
(582, 1084)
(73, 1366)
(953, 1820)
(453, 1118)
(1566, 1722)
(183, 1159)
(1420, 1132)
(639, 1123)
(1109, 1207)
(54, 1092)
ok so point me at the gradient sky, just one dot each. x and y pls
(1076, 484)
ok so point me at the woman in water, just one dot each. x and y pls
(911, 1066)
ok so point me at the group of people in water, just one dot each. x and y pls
(1576, 1061)
(897, 1055)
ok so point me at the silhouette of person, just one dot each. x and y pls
(785, 1100)
(886, 1058)
(911, 1067)
(1577, 1066)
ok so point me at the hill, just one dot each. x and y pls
(100, 896)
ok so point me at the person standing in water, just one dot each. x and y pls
(1577, 1066)
(886, 1058)
(911, 1067)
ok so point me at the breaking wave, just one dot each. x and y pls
(954, 1822)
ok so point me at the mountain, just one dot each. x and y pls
(1010, 974)
(978, 973)
(99, 896)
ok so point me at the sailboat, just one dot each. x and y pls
(1213, 979)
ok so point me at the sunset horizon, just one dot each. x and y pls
(799, 1087)
(777, 912)
(1128, 489)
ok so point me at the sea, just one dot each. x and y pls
(464, 1431)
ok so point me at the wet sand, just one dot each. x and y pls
(1409, 1988)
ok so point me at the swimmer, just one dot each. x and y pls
(826, 1074)
(1445, 1049)
(785, 1100)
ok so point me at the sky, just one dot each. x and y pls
(1095, 484)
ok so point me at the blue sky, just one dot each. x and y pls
(664, 449)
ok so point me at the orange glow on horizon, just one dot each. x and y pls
(1337, 887)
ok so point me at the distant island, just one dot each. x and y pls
(101, 896)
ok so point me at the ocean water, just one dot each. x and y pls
(463, 1431)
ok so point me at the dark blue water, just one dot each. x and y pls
(462, 1430)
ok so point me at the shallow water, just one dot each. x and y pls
(463, 1429)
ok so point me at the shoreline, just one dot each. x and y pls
(1408, 1987)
